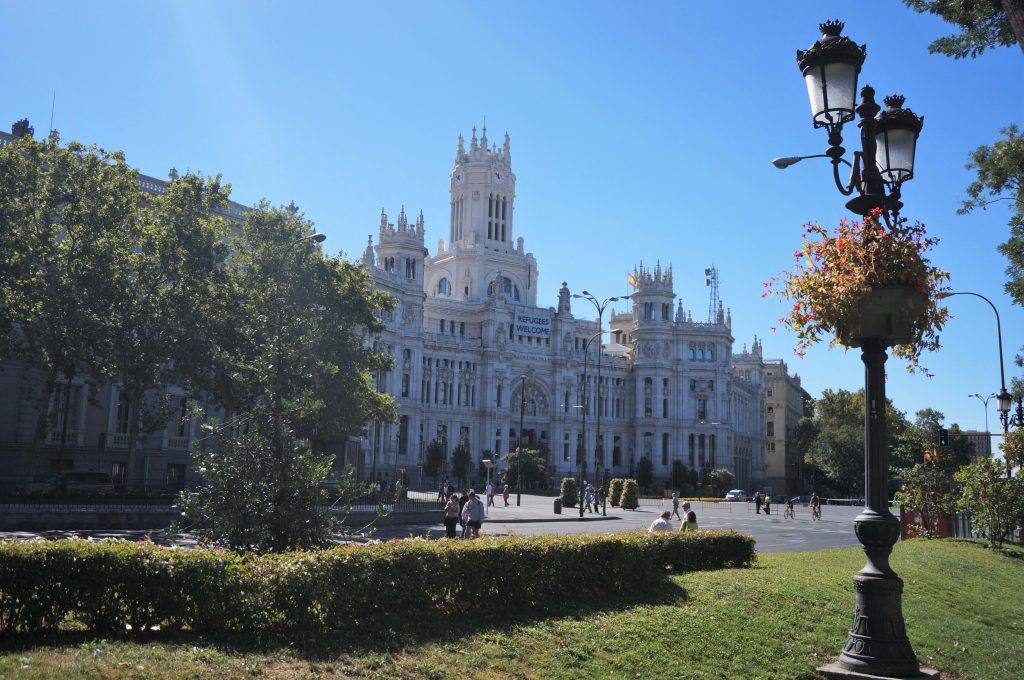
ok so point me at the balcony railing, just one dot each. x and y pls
(73, 438)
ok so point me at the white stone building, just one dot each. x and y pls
(475, 354)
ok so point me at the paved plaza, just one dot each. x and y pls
(536, 516)
(772, 532)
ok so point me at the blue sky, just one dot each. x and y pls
(640, 131)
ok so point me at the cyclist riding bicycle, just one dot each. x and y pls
(789, 510)
(815, 507)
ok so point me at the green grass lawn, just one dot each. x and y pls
(963, 603)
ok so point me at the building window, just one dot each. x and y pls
(711, 354)
(692, 353)
(124, 409)
(770, 428)
(443, 288)
(405, 384)
(175, 476)
(711, 386)
(118, 470)
(565, 448)
(693, 448)
(664, 448)
(183, 419)
(693, 384)
(702, 409)
(664, 408)
(403, 436)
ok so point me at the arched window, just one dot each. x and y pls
(507, 287)
(443, 288)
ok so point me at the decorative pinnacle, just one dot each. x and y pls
(831, 28)
(895, 101)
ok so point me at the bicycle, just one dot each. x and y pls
(789, 513)
(815, 512)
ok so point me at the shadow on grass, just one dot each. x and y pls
(389, 633)
(1010, 550)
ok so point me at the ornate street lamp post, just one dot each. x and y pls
(599, 448)
(877, 644)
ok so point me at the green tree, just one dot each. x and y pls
(433, 461)
(833, 438)
(984, 24)
(644, 472)
(251, 517)
(300, 362)
(925, 489)
(996, 504)
(532, 467)
(70, 219)
(179, 254)
(721, 480)
(460, 463)
(923, 435)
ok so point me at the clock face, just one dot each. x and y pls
(458, 179)
(499, 178)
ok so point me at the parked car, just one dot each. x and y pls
(72, 484)
(736, 495)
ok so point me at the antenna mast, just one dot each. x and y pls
(711, 280)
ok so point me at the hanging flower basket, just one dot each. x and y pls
(863, 280)
(890, 313)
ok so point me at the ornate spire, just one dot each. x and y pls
(472, 142)
(368, 258)
(564, 299)
(402, 222)
(419, 223)
(506, 150)
(383, 222)
(483, 138)
(461, 150)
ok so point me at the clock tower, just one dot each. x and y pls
(483, 256)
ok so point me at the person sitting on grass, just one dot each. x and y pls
(663, 523)
(690, 523)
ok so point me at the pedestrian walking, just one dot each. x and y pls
(451, 516)
(473, 515)
(767, 504)
(504, 494)
(675, 504)
(758, 499)
(490, 494)
(663, 523)
(588, 497)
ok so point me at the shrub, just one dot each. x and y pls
(630, 499)
(569, 493)
(615, 490)
(104, 586)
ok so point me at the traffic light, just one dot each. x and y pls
(943, 437)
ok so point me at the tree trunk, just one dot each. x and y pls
(1014, 10)
(135, 418)
(30, 459)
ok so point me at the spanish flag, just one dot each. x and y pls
(631, 280)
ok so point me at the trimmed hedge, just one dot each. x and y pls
(106, 586)
(615, 490)
(630, 498)
(569, 492)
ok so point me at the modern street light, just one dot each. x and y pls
(599, 452)
(877, 643)
(519, 458)
(1003, 398)
(582, 463)
(983, 400)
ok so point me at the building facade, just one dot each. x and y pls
(479, 363)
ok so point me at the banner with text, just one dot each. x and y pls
(533, 324)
